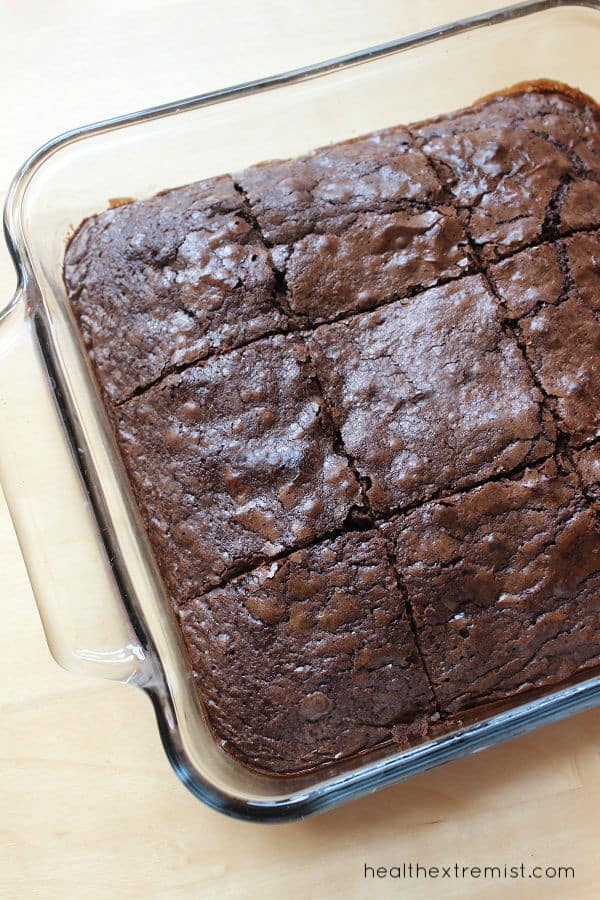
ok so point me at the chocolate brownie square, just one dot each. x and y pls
(529, 279)
(309, 658)
(341, 268)
(563, 345)
(345, 230)
(561, 332)
(169, 280)
(558, 112)
(583, 267)
(550, 273)
(525, 166)
(232, 462)
(376, 173)
(587, 463)
(430, 395)
(504, 586)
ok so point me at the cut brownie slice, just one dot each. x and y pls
(587, 462)
(504, 584)
(561, 331)
(560, 113)
(376, 173)
(548, 274)
(523, 164)
(232, 461)
(308, 659)
(563, 345)
(168, 280)
(345, 230)
(430, 395)
(530, 279)
(341, 268)
(583, 267)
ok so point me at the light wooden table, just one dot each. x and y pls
(88, 804)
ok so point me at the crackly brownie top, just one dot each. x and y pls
(356, 396)
(310, 657)
(352, 225)
(560, 325)
(233, 461)
(563, 344)
(587, 462)
(168, 280)
(524, 165)
(530, 279)
(378, 257)
(550, 273)
(567, 118)
(504, 583)
(376, 173)
(429, 395)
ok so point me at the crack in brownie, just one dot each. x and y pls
(356, 397)
(587, 464)
(560, 325)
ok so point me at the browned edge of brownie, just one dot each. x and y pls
(532, 167)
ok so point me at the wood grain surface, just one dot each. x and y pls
(88, 804)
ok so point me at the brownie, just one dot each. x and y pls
(430, 395)
(379, 257)
(356, 397)
(560, 325)
(587, 462)
(583, 262)
(525, 165)
(529, 279)
(550, 273)
(376, 173)
(504, 586)
(162, 282)
(232, 462)
(348, 226)
(563, 343)
(309, 658)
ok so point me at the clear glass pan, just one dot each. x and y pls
(96, 586)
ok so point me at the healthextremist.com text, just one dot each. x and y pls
(457, 871)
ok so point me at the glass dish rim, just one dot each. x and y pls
(498, 727)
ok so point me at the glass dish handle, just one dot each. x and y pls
(86, 625)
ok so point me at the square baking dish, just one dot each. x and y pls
(98, 591)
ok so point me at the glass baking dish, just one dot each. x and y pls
(95, 582)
